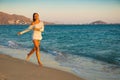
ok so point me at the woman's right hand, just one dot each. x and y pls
(19, 33)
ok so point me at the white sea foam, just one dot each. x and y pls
(91, 69)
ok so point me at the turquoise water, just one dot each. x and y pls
(101, 42)
(92, 51)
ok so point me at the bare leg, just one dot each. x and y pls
(38, 56)
(36, 43)
(29, 54)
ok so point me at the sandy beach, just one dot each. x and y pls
(16, 69)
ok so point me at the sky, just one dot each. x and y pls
(65, 11)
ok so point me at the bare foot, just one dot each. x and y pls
(40, 64)
(27, 58)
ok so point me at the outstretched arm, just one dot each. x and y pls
(26, 30)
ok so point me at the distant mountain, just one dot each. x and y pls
(6, 18)
(98, 22)
(13, 19)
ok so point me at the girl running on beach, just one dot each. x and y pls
(38, 27)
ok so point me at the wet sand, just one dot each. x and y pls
(16, 69)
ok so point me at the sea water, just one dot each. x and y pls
(90, 51)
